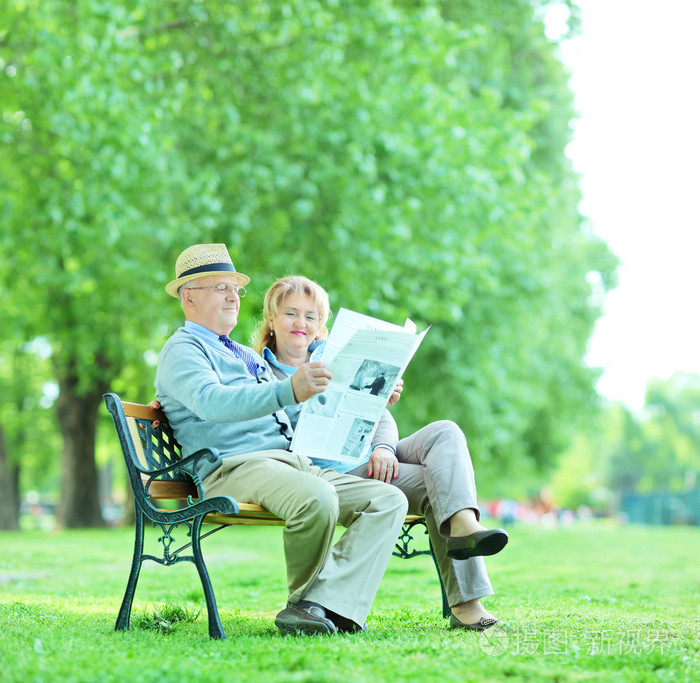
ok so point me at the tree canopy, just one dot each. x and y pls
(656, 450)
(408, 155)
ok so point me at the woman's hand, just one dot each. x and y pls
(396, 394)
(383, 465)
(310, 379)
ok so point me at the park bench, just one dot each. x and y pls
(158, 473)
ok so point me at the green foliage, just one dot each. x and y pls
(673, 427)
(661, 449)
(410, 156)
(655, 450)
(27, 390)
(578, 480)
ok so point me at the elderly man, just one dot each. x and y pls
(220, 394)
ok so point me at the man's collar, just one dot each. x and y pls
(196, 328)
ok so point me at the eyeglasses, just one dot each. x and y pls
(225, 289)
(310, 317)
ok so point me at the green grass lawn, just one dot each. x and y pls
(589, 602)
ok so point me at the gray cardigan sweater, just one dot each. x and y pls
(211, 400)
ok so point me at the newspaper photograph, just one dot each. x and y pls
(366, 357)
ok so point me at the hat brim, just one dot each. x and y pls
(172, 287)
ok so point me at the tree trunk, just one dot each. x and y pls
(9, 496)
(77, 416)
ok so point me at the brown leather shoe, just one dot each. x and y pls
(486, 542)
(481, 625)
(304, 618)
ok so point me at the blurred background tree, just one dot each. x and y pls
(409, 155)
(657, 450)
(26, 423)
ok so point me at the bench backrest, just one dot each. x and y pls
(147, 448)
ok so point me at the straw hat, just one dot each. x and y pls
(201, 260)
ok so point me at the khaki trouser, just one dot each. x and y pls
(437, 476)
(343, 577)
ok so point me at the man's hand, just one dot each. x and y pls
(396, 394)
(310, 379)
(383, 465)
(155, 405)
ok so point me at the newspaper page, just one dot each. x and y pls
(366, 364)
(347, 322)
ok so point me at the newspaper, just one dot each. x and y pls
(366, 357)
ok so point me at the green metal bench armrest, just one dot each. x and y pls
(189, 466)
(224, 505)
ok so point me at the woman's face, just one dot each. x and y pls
(295, 325)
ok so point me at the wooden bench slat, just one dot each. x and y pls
(250, 513)
(172, 490)
(180, 490)
(142, 411)
(254, 515)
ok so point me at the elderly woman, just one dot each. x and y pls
(432, 467)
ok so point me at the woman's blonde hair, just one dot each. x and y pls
(275, 298)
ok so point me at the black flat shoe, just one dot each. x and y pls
(481, 625)
(486, 542)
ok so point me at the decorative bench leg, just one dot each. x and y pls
(216, 630)
(446, 611)
(125, 611)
